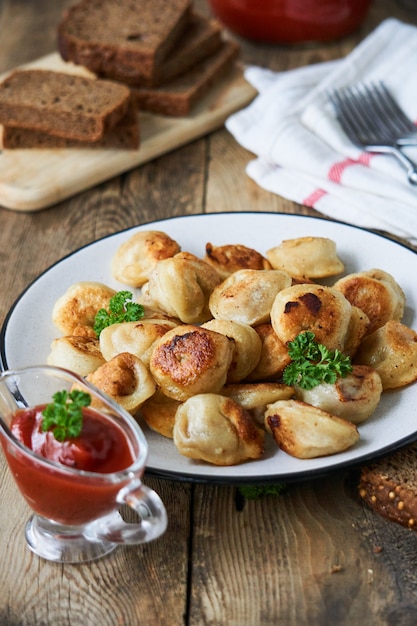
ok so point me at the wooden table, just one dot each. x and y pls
(314, 556)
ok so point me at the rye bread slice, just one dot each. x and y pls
(65, 105)
(107, 35)
(124, 135)
(178, 97)
(201, 39)
(389, 486)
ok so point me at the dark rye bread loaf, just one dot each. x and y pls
(177, 97)
(110, 36)
(123, 136)
(201, 38)
(389, 486)
(61, 104)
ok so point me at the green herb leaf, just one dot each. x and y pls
(312, 363)
(254, 492)
(120, 310)
(64, 416)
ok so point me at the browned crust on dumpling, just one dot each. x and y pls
(392, 351)
(136, 257)
(319, 309)
(233, 257)
(376, 293)
(189, 360)
(274, 355)
(125, 379)
(74, 312)
(159, 413)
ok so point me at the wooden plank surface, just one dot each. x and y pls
(32, 179)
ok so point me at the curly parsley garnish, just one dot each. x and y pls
(312, 363)
(120, 310)
(254, 492)
(64, 416)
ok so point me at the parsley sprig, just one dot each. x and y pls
(254, 492)
(120, 310)
(312, 363)
(64, 416)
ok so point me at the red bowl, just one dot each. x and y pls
(291, 21)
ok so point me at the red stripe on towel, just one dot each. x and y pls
(314, 197)
(336, 170)
(365, 158)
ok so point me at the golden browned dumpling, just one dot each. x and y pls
(82, 355)
(189, 360)
(247, 296)
(306, 257)
(247, 347)
(254, 397)
(215, 429)
(354, 397)
(306, 432)
(316, 308)
(274, 355)
(392, 352)
(181, 287)
(233, 257)
(125, 379)
(138, 338)
(159, 413)
(136, 257)
(376, 293)
(74, 312)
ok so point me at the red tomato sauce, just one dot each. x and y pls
(102, 448)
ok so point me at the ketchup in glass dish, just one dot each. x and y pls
(101, 447)
(291, 21)
(76, 457)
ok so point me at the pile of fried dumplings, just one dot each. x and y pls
(204, 365)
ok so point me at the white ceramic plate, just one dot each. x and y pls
(28, 330)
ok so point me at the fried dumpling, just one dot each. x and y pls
(274, 355)
(255, 397)
(81, 355)
(189, 360)
(181, 286)
(392, 351)
(306, 257)
(316, 308)
(247, 295)
(215, 429)
(376, 293)
(136, 257)
(353, 397)
(74, 312)
(126, 380)
(306, 432)
(159, 412)
(247, 347)
(138, 338)
(233, 257)
(358, 328)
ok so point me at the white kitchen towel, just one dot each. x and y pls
(303, 153)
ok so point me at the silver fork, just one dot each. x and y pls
(363, 113)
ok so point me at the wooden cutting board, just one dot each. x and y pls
(32, 180)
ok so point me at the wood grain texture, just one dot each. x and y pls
(315, 556)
